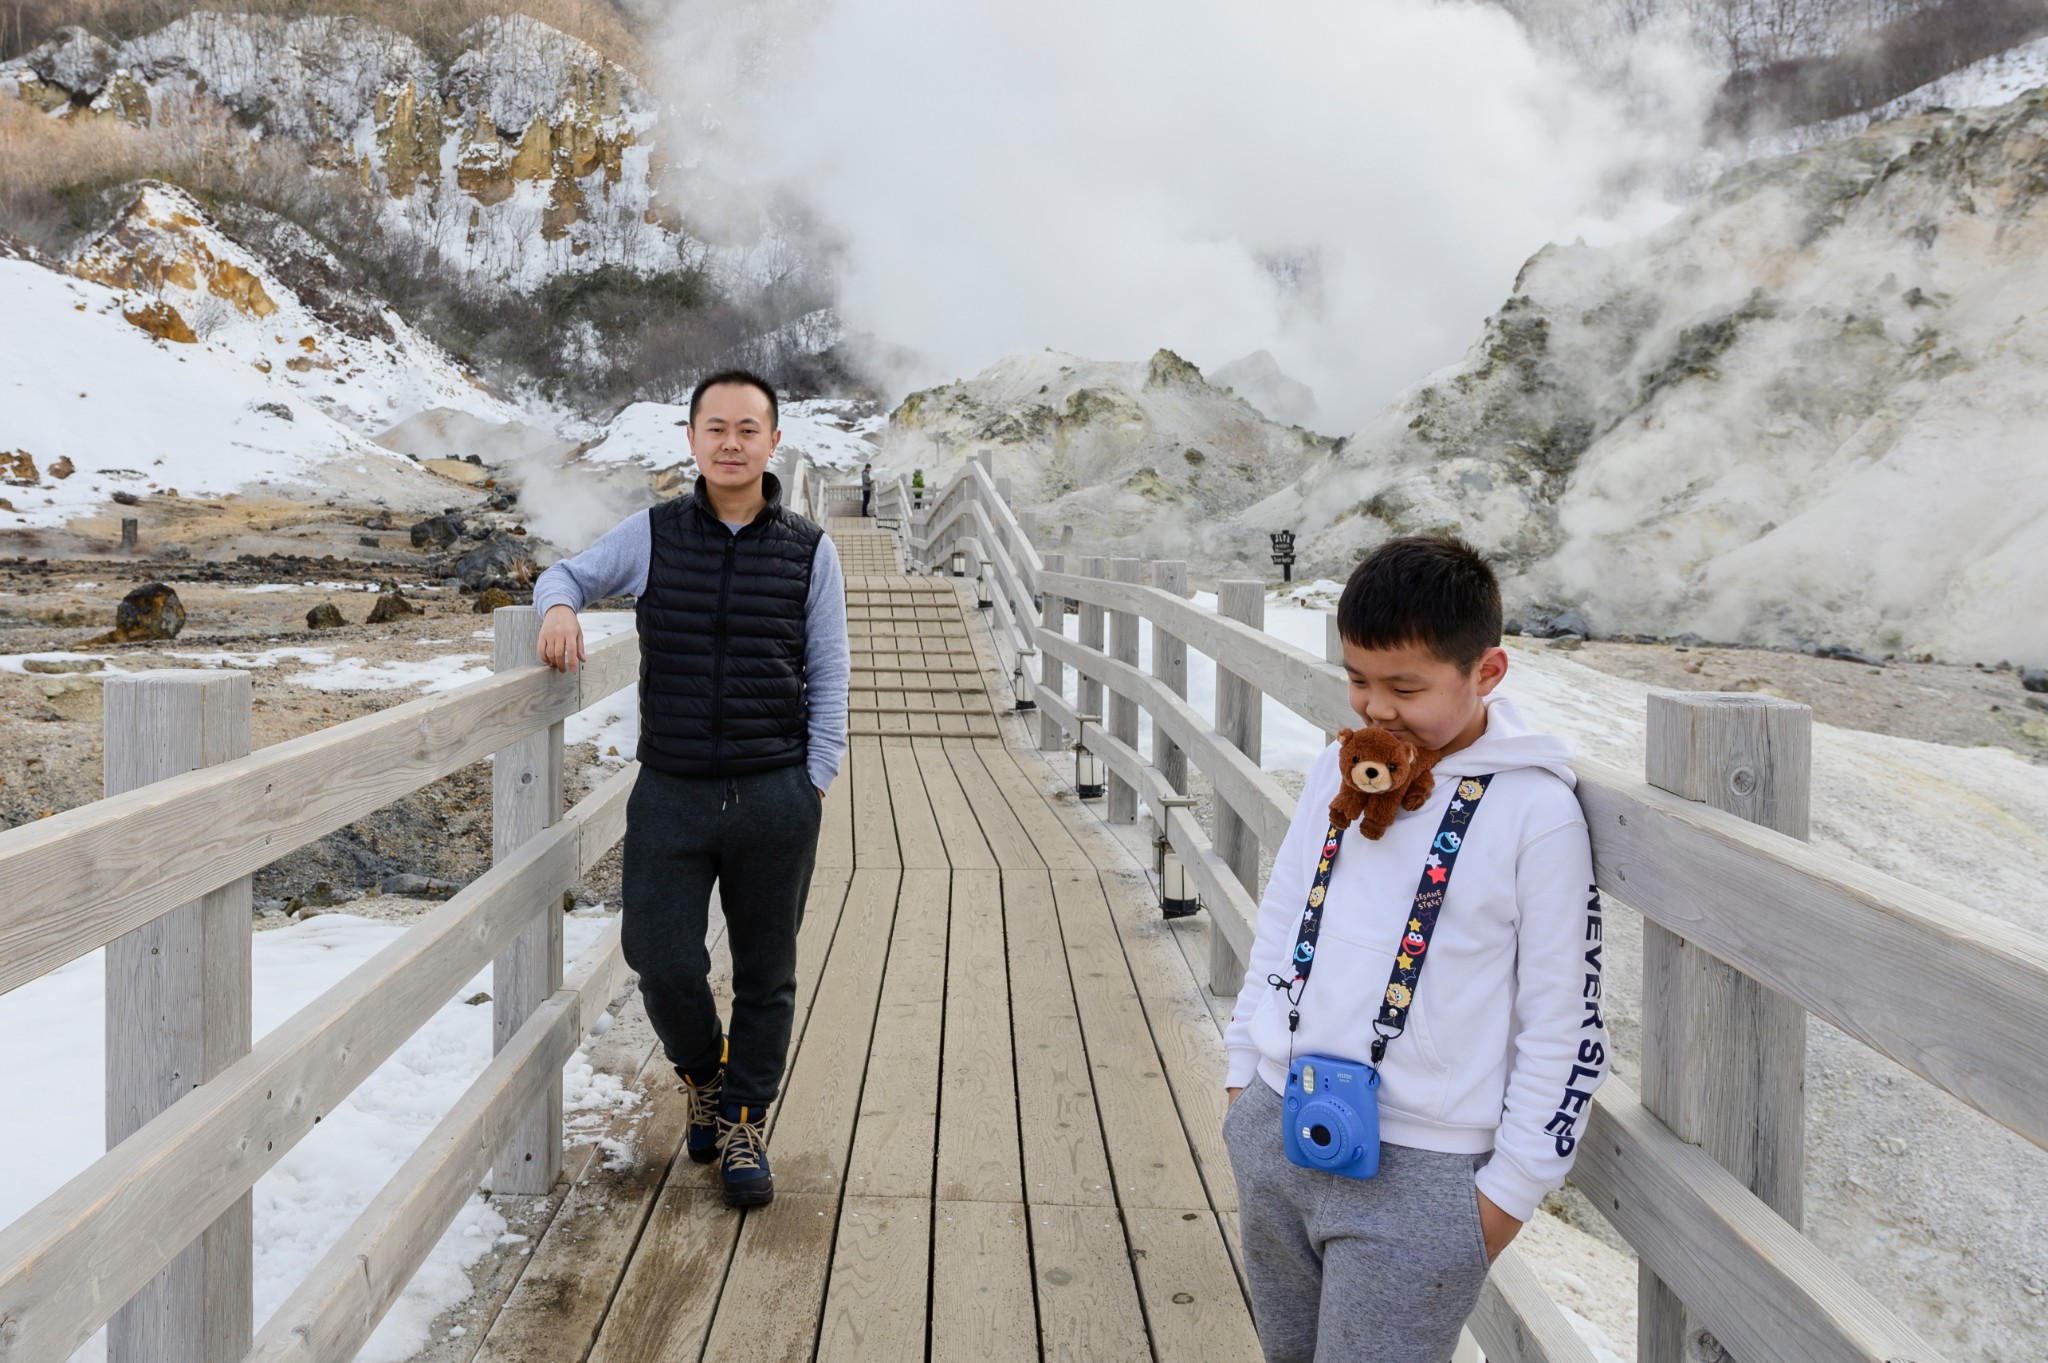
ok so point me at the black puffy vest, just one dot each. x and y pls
(722, 638)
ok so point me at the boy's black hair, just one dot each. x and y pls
(1435, 591)
(745, 376)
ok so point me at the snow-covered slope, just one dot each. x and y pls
(1810, 409)
(165, 355)
(1980, 85)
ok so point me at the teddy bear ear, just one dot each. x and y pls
(1344, 735)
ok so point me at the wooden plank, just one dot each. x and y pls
(75, 881)
(813, 1123)
(881, 1265)
(917, 827)
(1034, 813)
(1765, 1290)
(981, 1293)
(835, 830)
(979, 1157)
(897, 1135)
(874, 824)
(1087, 1297)
(113, 1226)
(1006, 838)
(526, 797)
(774, 1290)
(671, 1288)
(178, 1001)
(559, 1303)
(1517, 1322)
(1149, 1158)
(1063, 1153)
(1123, 711)
(1194, 1304)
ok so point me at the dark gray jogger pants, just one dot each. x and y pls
(756, 838)
(1347, 1270)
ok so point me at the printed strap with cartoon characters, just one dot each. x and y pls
(1429, 902)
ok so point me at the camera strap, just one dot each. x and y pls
(1414, 949)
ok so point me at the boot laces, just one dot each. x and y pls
(743, 1144)
(704, 1101)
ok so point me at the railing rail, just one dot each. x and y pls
(85, 878)
(1858, 948)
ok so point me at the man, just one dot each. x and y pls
(867, 487)
(743, 676)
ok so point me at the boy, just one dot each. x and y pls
(1485, 1085)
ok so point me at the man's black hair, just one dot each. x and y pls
(745, 376)
(1432, 591)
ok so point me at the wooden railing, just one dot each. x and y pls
(1747, 930)
(154, 1237)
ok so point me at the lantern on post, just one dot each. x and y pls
(1091, 780)
(1177, 898)
(959, 563)
(1022, 674)
(981, 596)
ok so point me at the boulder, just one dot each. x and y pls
(326, 615)
(2034, 678)
(392, 605)
(1569, 622)
(151, 611)
(1844, 654)
(436, 532)
(53, 667)
(491, 598)
(430, 886)
(498, 560)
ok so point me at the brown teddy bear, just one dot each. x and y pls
(1380, 773)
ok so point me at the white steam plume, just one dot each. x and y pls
(1350, 186)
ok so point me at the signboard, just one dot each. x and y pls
(1283, 553)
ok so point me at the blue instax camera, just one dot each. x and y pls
(1330, 1116)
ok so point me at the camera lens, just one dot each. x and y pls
(1319, 1133)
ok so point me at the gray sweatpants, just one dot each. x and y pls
(1346, 1270)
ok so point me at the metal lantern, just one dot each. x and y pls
(959, 564)
(1177, 898)
(1091, 780)
(1023, 683)
(981, 596)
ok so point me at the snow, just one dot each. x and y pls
(433, 675)
(52, 1046)
(1980, 85)
(612, 725)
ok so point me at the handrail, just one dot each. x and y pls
(69, 1262)
(1859, 942)
(75, 881)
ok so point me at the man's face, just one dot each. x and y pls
(1417, 696)
(733, 436)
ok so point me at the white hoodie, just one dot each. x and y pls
(1505, 1043)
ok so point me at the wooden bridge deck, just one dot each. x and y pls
(999, 1135)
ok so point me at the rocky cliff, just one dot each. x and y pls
(528, 155)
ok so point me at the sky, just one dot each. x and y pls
(1352, 187)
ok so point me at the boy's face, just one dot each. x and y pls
(1417, 696)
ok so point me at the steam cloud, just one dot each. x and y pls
(1349, 186)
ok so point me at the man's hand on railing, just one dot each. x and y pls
(561, 639)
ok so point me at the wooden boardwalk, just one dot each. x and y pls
(999, 1135)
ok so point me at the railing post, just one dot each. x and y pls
(1092, 618)
(526, 797)
(1724, 1058)
(1003, 491)
(177, 1013)
(1123, 711)
(1170, 665)
(1333, 652)
(1238, 712)
(1052, 674)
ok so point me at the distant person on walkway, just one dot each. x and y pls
(867, 487)
(1486, 1068)
(743, 679)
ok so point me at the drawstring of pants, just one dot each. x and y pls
(732, 793)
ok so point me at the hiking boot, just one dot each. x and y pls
(703, 1092)
(743, 1155)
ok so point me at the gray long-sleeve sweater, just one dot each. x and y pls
(617, 566)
